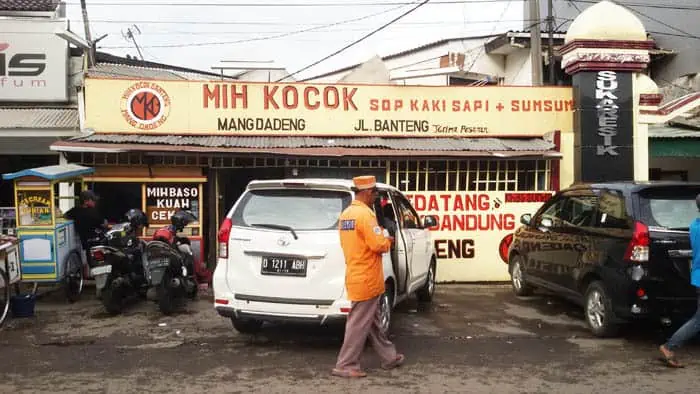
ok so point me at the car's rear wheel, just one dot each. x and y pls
(247, 326)
(386, 303)
(520, 288)
(425, 294)
(599, 313)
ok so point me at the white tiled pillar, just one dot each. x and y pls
(65, 190)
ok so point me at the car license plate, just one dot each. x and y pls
(105, 269)
(283, 266)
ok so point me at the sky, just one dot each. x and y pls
(201, 33)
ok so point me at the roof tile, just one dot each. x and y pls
(405, 143)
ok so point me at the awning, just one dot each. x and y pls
(52, 173)
(38, 118)
(314, 146)
(679, 139)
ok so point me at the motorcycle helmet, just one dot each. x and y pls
(181, 219)
(136, 218)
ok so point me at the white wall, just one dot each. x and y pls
(518, 68)
(475, 61)
(434, 80)
(265, 76)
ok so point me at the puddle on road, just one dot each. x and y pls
(534, 315)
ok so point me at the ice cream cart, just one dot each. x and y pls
(49, 248)
(9, 273)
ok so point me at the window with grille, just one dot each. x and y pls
(470, 175)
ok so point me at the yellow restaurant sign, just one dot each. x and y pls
(247, 108)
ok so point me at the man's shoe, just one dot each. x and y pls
(348, 373)
(396, 363)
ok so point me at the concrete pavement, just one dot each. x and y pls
(477, 339)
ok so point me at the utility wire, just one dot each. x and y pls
(287, 4)
(482, 47)
(673, 34)
(339, 30)
(648, 5)
(264, 38)
(257, 23)
(663, 23)
(366, 36)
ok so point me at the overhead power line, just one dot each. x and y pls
(325, 30)
(262, 23)
(264, 38)
(663, 23)
(673, 34)
(288, 4)
(664, 5)
(366, 36)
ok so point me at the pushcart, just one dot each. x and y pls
(9, 273)
(49, 249)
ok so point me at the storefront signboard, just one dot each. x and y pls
(474, 229)
(163, 200)
(34, 207)
(33, 60)
(219, 108)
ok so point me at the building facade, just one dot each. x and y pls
(476, 157)
(40, 77)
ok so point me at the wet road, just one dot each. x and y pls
(471, 339)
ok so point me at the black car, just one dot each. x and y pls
(621, 250)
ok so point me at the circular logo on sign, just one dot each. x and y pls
(145, 105)
(504, 246)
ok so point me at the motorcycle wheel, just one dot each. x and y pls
(170, 298)
(73, 280)
(113, 297)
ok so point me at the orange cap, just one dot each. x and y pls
(364, 182)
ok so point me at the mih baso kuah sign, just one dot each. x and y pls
(213, 107)
(163, 200)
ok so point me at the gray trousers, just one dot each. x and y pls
(364, 323)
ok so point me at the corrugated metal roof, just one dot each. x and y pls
(29, 5)
(416, 144)
(39, 118)
(677, 128)
(672, 132)
(111, 70)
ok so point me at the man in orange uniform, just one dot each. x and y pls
(363, 243)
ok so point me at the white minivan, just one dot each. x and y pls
(280, 257)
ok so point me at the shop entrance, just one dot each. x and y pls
(232, 182)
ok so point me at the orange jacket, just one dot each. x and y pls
(363, 243)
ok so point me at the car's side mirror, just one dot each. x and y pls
(526, 219)
(430, 221)
(547, 223)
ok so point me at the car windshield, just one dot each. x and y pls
(673, 208)
(294, 208)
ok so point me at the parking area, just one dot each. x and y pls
(471, 339)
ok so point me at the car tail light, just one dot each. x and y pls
(638, 248)
(345, 310)
(224, 233)
(221, 301)
(98, 255)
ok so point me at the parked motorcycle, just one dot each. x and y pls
(170, 264)
(119, 264)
